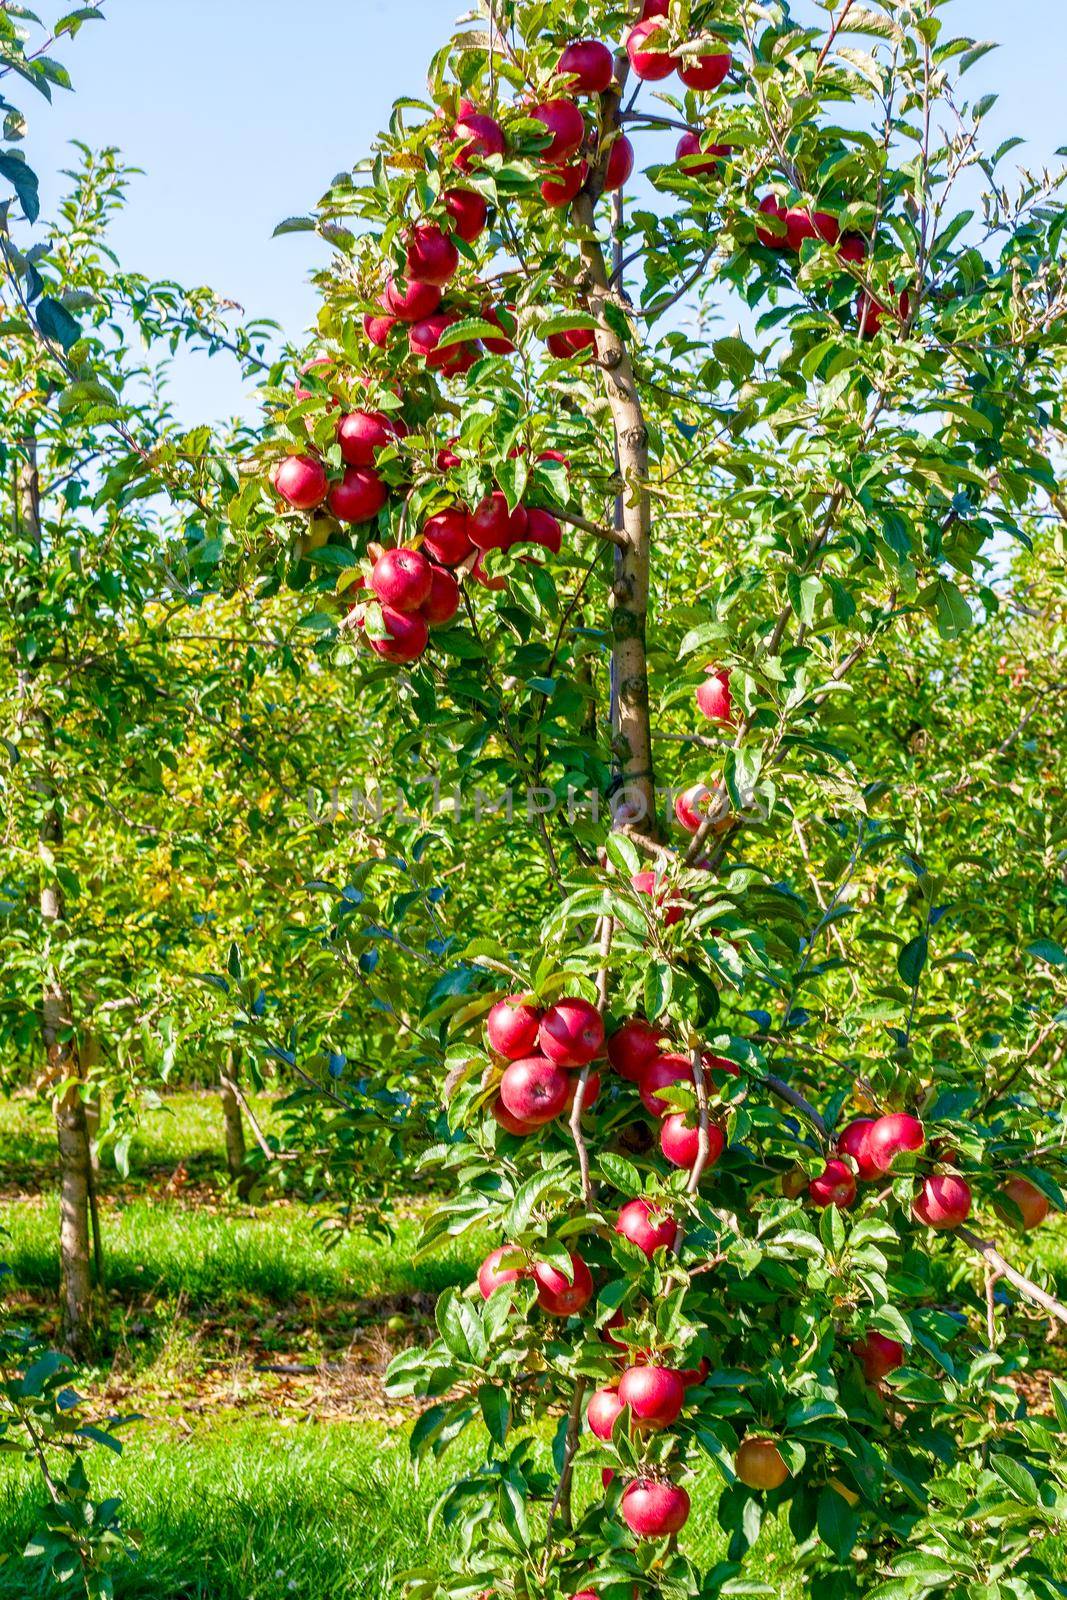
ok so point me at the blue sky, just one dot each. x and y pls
(242, 111)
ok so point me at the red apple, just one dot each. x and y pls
(853, 247)
(592, 1091)
(878, 1356)
(647, 47)
(559, 1295)
(655, 1395)
(481, 576)
(492, 526)
(691, 807)
(301, 482)
(893, 1136)
(680, 1142)
(563, 120)
(647, 1225)
(691, 1376)
(424, 340)
(445, 537)
(801, 224)
(604, 1407)
(852, 1141)
(572, 343)
(719, 1067)
(543, 529)
(572, 1032)
(483, 135)
(401, 579)
(652, 1510)
(431, 255)
(361, 434)
(378, 329)
(634, 1046)
(1030, 1201)
(467, 212)
(491, 1274)
(562, 185)
(589, 64)
(697, 161)
(505, 320)
(359, 496)
(871, 312)
(406, 636)
(511, 1027)
(660, 1073)
(759, 1464)
(706, 72)
(773, 238)
(713, 695)
(411, 301)
(943, 1202)
(648, 883)
(620, 164)
(655, 8)
(835, 1185)
(534, 1090)
(503, 1117)
(442, 603)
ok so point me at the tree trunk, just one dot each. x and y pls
(64, 1070)
(234, 1122)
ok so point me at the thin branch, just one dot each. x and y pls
(1018, 1280)
(794, 1098)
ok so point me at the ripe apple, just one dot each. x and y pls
(835, 1185)
(706, 72)
(503, 1117)
(424, 339)
(759, 1464)
(563, 120)
(561, 1296)
(620, 164)
(647, 47)
(401, 579)
(691, 1376)
(562, 185)
(852, 1141)
(543, 529)
(406, 636)
(713, 695)
(504, 319)
(480, 575)
(691, 807)
(361, 434)
(871, 313)
(648, 883)
(680, 1142)
(431, 255)
(801, 224)
(655, 8)
(943, 1202)
(442, 602)
(572, 1032)
(878, 1356)
(493, 527)
(592, 1091)
(572, 344)
(654, 1394)
(773, 238)
(719, 1067)
(511, 1027)
(604, 1406)
(647, 1225)
(534, 1090)
(468, 212)
(413, 301)
(660, 1073)
(699, 163)
(634, 1046)
(359, 496)
(852, 247)
(892, 1136)
(445, 537)
(483, 135)
(491, 1274)
(301, 482)
(589, 64)
(652, 1509)
(1030, 1201)
(378, 329)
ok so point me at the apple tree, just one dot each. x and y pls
(683, 372)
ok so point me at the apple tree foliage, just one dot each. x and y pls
(813, 425)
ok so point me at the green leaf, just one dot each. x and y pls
(496, 1409)
(56, 322)
(23, 180)
(912, 960)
